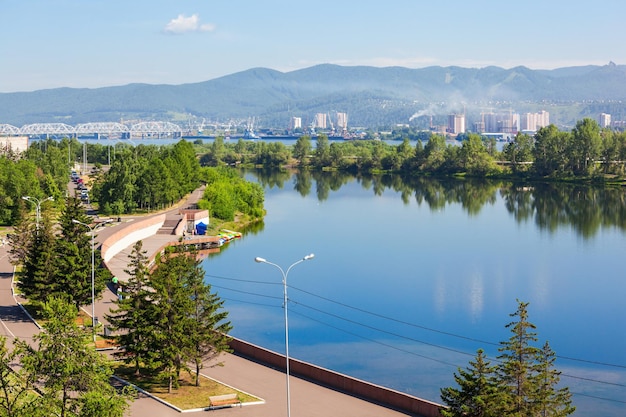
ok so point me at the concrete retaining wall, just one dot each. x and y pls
(358, 388)
(128, 235)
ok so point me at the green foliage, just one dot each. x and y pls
(18, 397)
(134, 316)
(186, 325)
(549, 153)
(227, 193)
(57, 261)
(476, 392)
(71, 375)
(523, 383)
(168, 318)
(302, 149)
(18, 178)
(147, 177)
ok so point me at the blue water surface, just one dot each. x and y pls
(401, 294)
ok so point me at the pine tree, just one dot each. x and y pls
(173, 322)
(37, 278)
(209, 329)
(73, 263)
(523, 384)
(551, 401)
(135, 314)
(517, 371)
(476, 391)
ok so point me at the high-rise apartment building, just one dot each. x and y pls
(605, 120)
(342, 121)
(535, 121)
(295, 123)
(498, 123)
(320, 121)
(456, 124)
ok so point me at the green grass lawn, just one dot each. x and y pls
(187, 396)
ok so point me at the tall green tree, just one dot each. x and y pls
(551, 399)
(550, 151)
(519, 152)
(71, 374)
(474, 157)
(172, 319)
(302, 149)
(476, 394)
(586, 145)
(72, 266)
(133, 319)
(37, 277)
(518, 369)
(208, 327)
(321, 156)
(434, 153)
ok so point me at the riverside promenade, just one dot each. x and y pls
(308, 398)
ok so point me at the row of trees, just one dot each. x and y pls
(43, 170)
(168, 318)
(585, 151)
(523, 383)
(146, 178)
(56, 257)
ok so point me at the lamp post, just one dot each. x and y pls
(37, 204)
(93, 286)
(285, 274)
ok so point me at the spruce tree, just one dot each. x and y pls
(133, 319)
(37, 278)
(476, 392)
(518, 368)
(209, 329)
(551, 400)
(173, 322)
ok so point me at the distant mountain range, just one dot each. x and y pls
(372, 97)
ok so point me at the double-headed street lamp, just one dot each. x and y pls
(37, 204)
(93, 286)
(285, 274)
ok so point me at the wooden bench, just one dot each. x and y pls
(225, 400)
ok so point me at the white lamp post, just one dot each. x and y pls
(37, 204)
(285, 274)
(93, 286)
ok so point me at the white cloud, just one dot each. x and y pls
(183, 24)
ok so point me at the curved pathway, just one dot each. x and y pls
(307, 398)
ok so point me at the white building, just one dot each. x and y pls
(320, 121)
(13, 143)
(605, 120)
(535, 121)
(342, 121)
(295, 123)
(456, 124)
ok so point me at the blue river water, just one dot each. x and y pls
(401, 293)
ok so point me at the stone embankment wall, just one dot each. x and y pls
(140, 229)
(371, 392)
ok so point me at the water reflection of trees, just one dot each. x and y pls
(584, 208)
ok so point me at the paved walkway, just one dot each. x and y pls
(307, 399)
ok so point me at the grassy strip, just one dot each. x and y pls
(187, 396)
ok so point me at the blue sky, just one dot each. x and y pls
(97, 43)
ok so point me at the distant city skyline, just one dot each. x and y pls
(73, 43)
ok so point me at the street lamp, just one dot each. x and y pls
(93, 286)
(285, 274)
(37, 204)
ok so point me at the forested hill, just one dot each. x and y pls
(371, 96)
